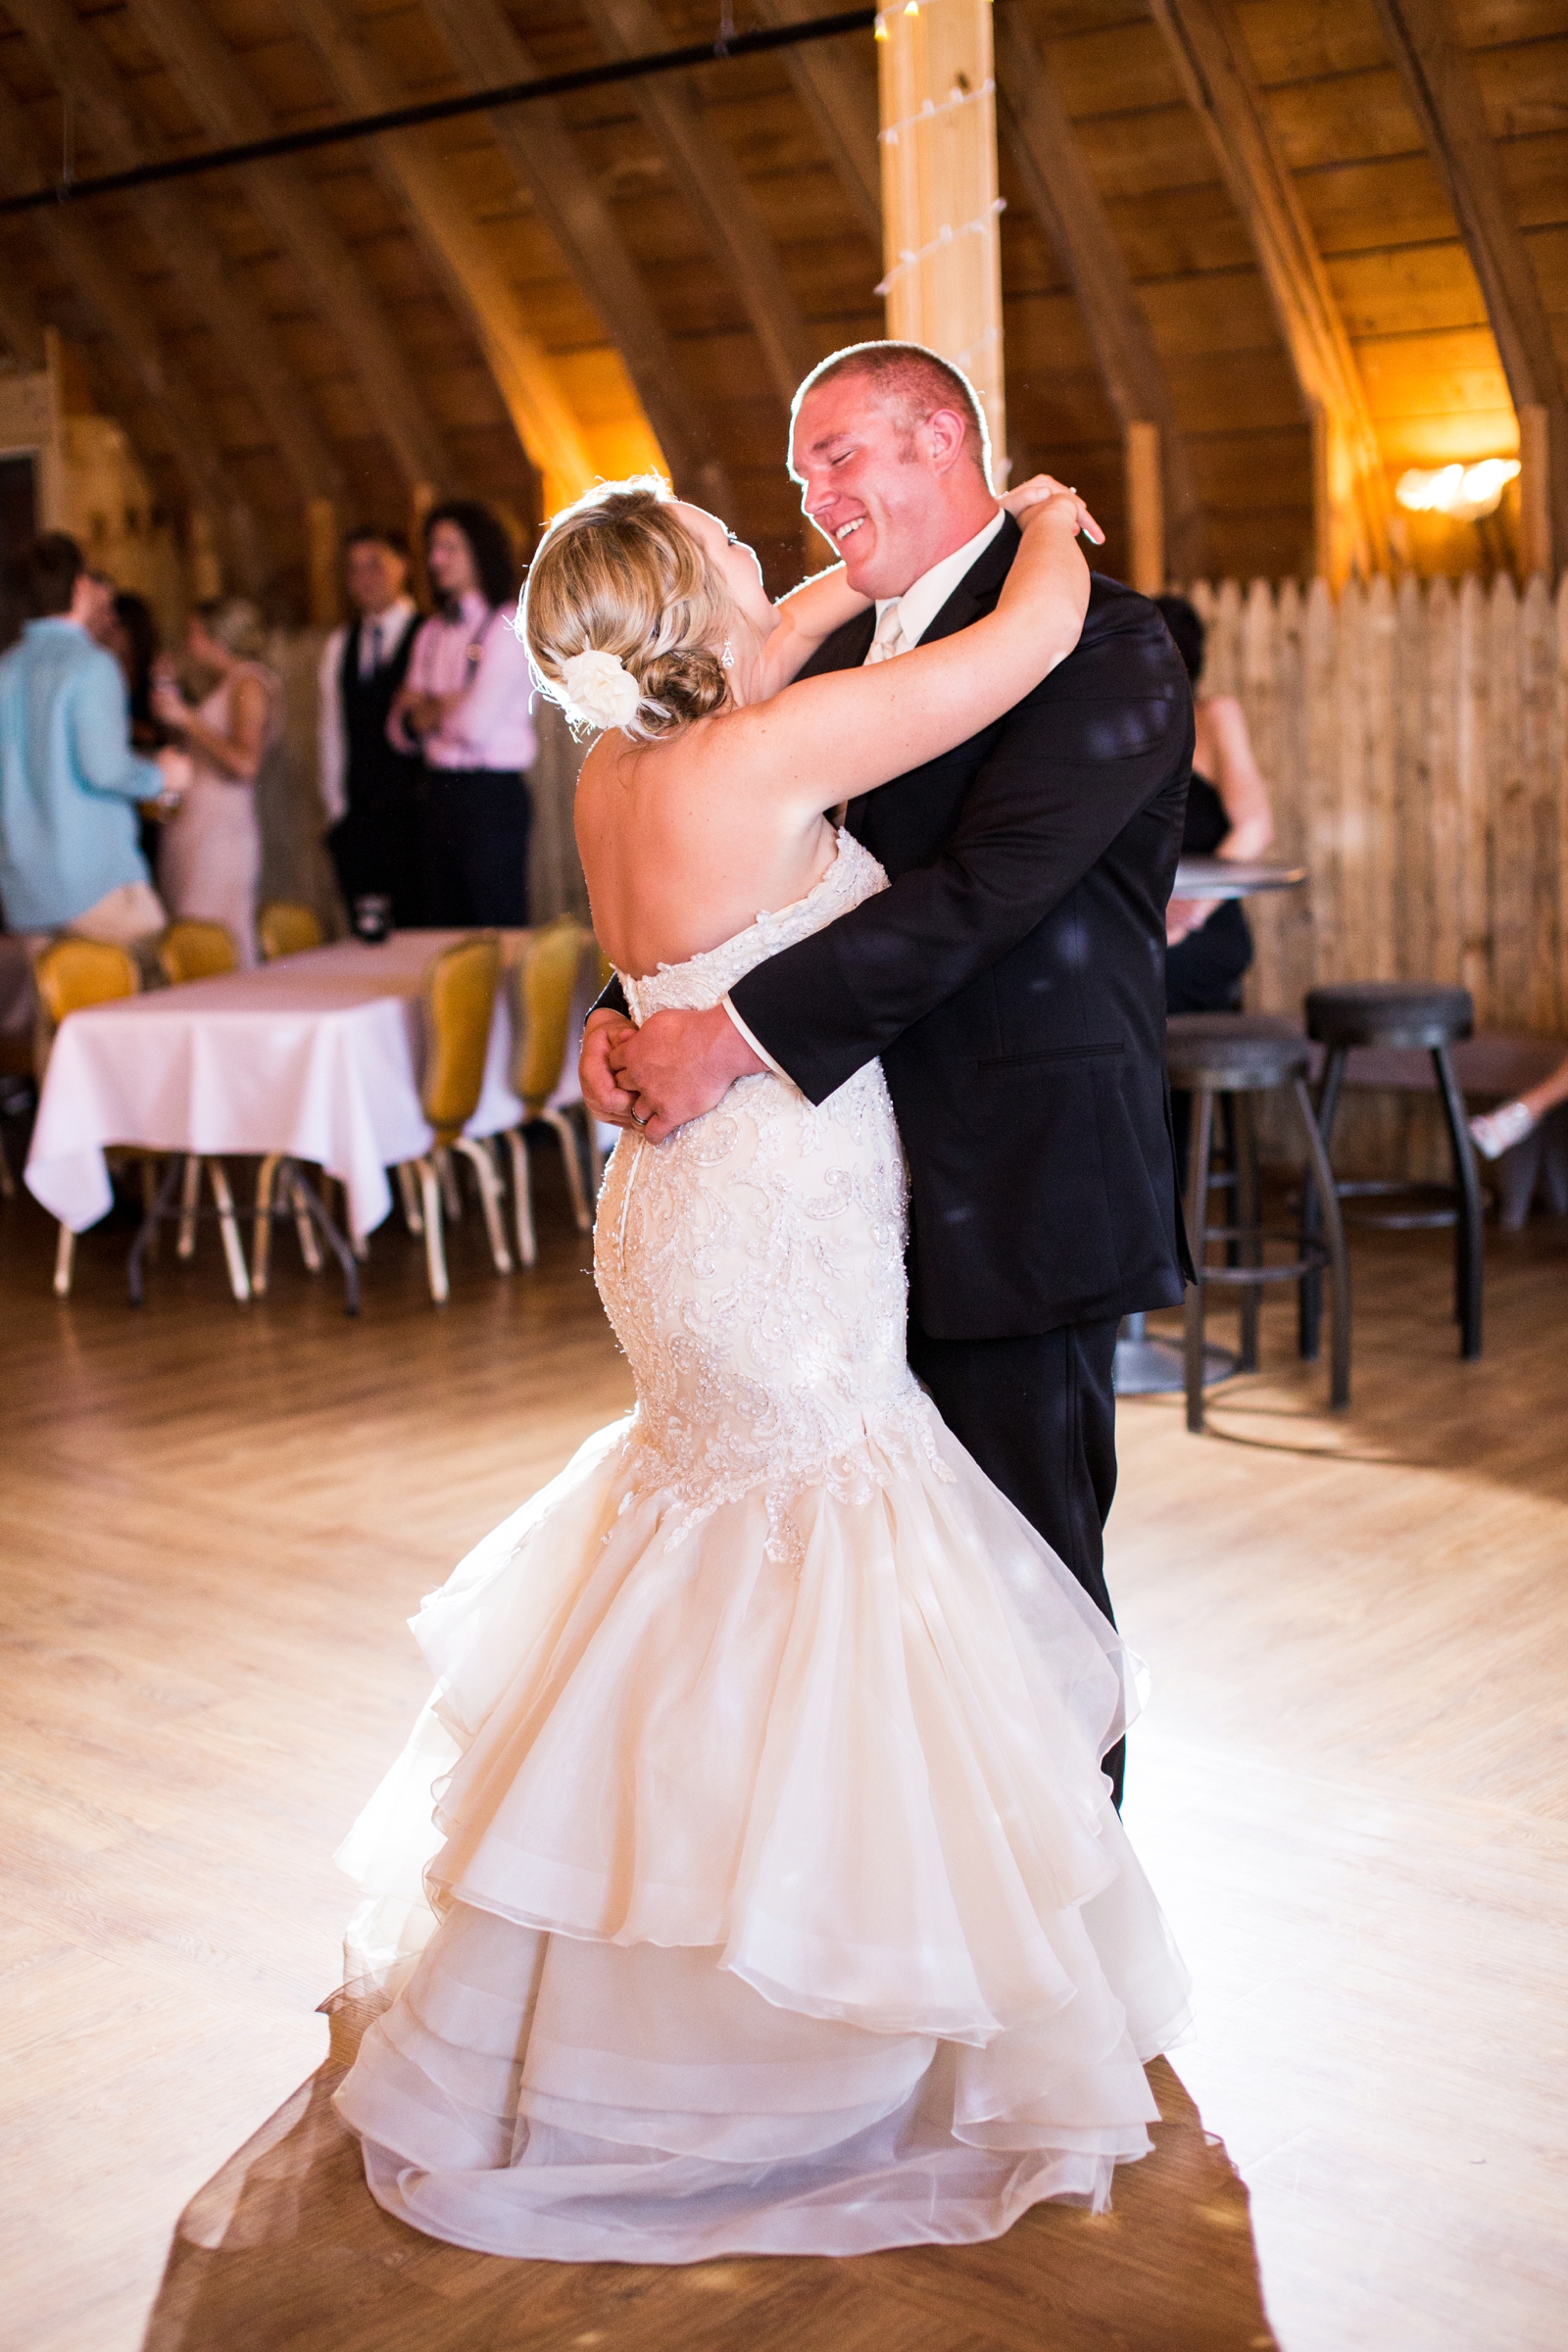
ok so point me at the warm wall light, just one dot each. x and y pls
(1464, 492)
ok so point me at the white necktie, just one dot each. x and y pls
(889, 638)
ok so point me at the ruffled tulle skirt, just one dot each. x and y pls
(773, 1900)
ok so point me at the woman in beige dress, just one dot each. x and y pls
(210, 865)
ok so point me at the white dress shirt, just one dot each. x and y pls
(900, 623)
(380, 634)
(474, 653)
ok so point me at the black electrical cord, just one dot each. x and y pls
(442, 110)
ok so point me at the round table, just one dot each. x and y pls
(1146, 1367)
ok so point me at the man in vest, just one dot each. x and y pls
(369, 790)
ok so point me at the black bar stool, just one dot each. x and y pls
(1229, 1056)
(1404, 1012)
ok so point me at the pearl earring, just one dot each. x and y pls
(727, 656)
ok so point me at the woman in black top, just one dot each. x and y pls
(1207, 943)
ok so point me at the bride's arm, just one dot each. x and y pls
(807, 618)
(855, 730)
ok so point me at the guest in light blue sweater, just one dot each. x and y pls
(70, 782)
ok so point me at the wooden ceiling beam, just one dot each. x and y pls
(218, 92)
(78, 255)
(82, 66)
(1424, 41)
(715, 188)
(1351, 488)
(20, 327)
(838, 90)
(524, 375)
(539, 145)
(1050, 162)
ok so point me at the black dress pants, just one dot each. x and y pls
(473, 843)
(1039, 1416)
(375, 852)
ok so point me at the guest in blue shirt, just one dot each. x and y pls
(70, 782)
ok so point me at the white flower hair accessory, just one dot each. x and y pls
(599, 688)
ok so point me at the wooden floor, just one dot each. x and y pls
(1351, 1790)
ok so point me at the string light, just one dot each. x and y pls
(946, 235)
(931, 111)
(1464, 492)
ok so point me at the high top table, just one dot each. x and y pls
(315, 1058)
(1146, 1367)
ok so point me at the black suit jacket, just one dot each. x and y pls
(1012, 979)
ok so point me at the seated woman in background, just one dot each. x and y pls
(211, 863)
(1208, 944)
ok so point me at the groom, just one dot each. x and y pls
(1011, 978)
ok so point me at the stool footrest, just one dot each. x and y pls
(1313, 1255)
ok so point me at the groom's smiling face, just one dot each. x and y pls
(892, 496)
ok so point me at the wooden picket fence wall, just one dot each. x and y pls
(1414, 739)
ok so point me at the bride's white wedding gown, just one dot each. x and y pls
(774, 1901)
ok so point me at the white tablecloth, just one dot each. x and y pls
(316, 1056)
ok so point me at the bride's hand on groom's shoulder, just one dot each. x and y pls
(1038, 491)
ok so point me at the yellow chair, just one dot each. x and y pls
(285, 928)
(202, 951)
(197, 950)
(68, 975)
(559, 967)
(457, 997)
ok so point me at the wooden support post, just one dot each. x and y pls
(321, 557)
(1535, 491)
(1145, 509)
(940, 206)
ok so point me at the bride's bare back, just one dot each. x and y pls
(684, 842)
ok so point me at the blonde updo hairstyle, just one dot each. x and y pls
(618, 572)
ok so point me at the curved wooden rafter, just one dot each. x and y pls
(79, 64)
(525, 376)
(715, 188)
(78, 255)
(1050, 162)
(1350, 490)
(219, 93)
(1424, 41)
(541, 150)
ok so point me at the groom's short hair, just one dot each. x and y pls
(914, 383)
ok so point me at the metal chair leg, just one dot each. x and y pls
(435, 1257)
(1333, 1226)
(1469, 1227)
(191, 1194)
(1249, 1215)
(1197, 1231)
(147, 1231)
(262, 1240)
(447, 1178)
(310, 1246)
(408, 1193)
(239, 1281)
(567, 1130)
(65, 1262)
(1310, 1307)
(490, 1199)
(522, 1198)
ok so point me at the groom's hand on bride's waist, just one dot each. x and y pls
(673, 1068)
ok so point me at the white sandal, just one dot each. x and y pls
(1500, 1129)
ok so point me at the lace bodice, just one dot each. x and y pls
(753, 1265)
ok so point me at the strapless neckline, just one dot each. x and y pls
(702, 979)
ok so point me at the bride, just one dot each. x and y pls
(774, 1901)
